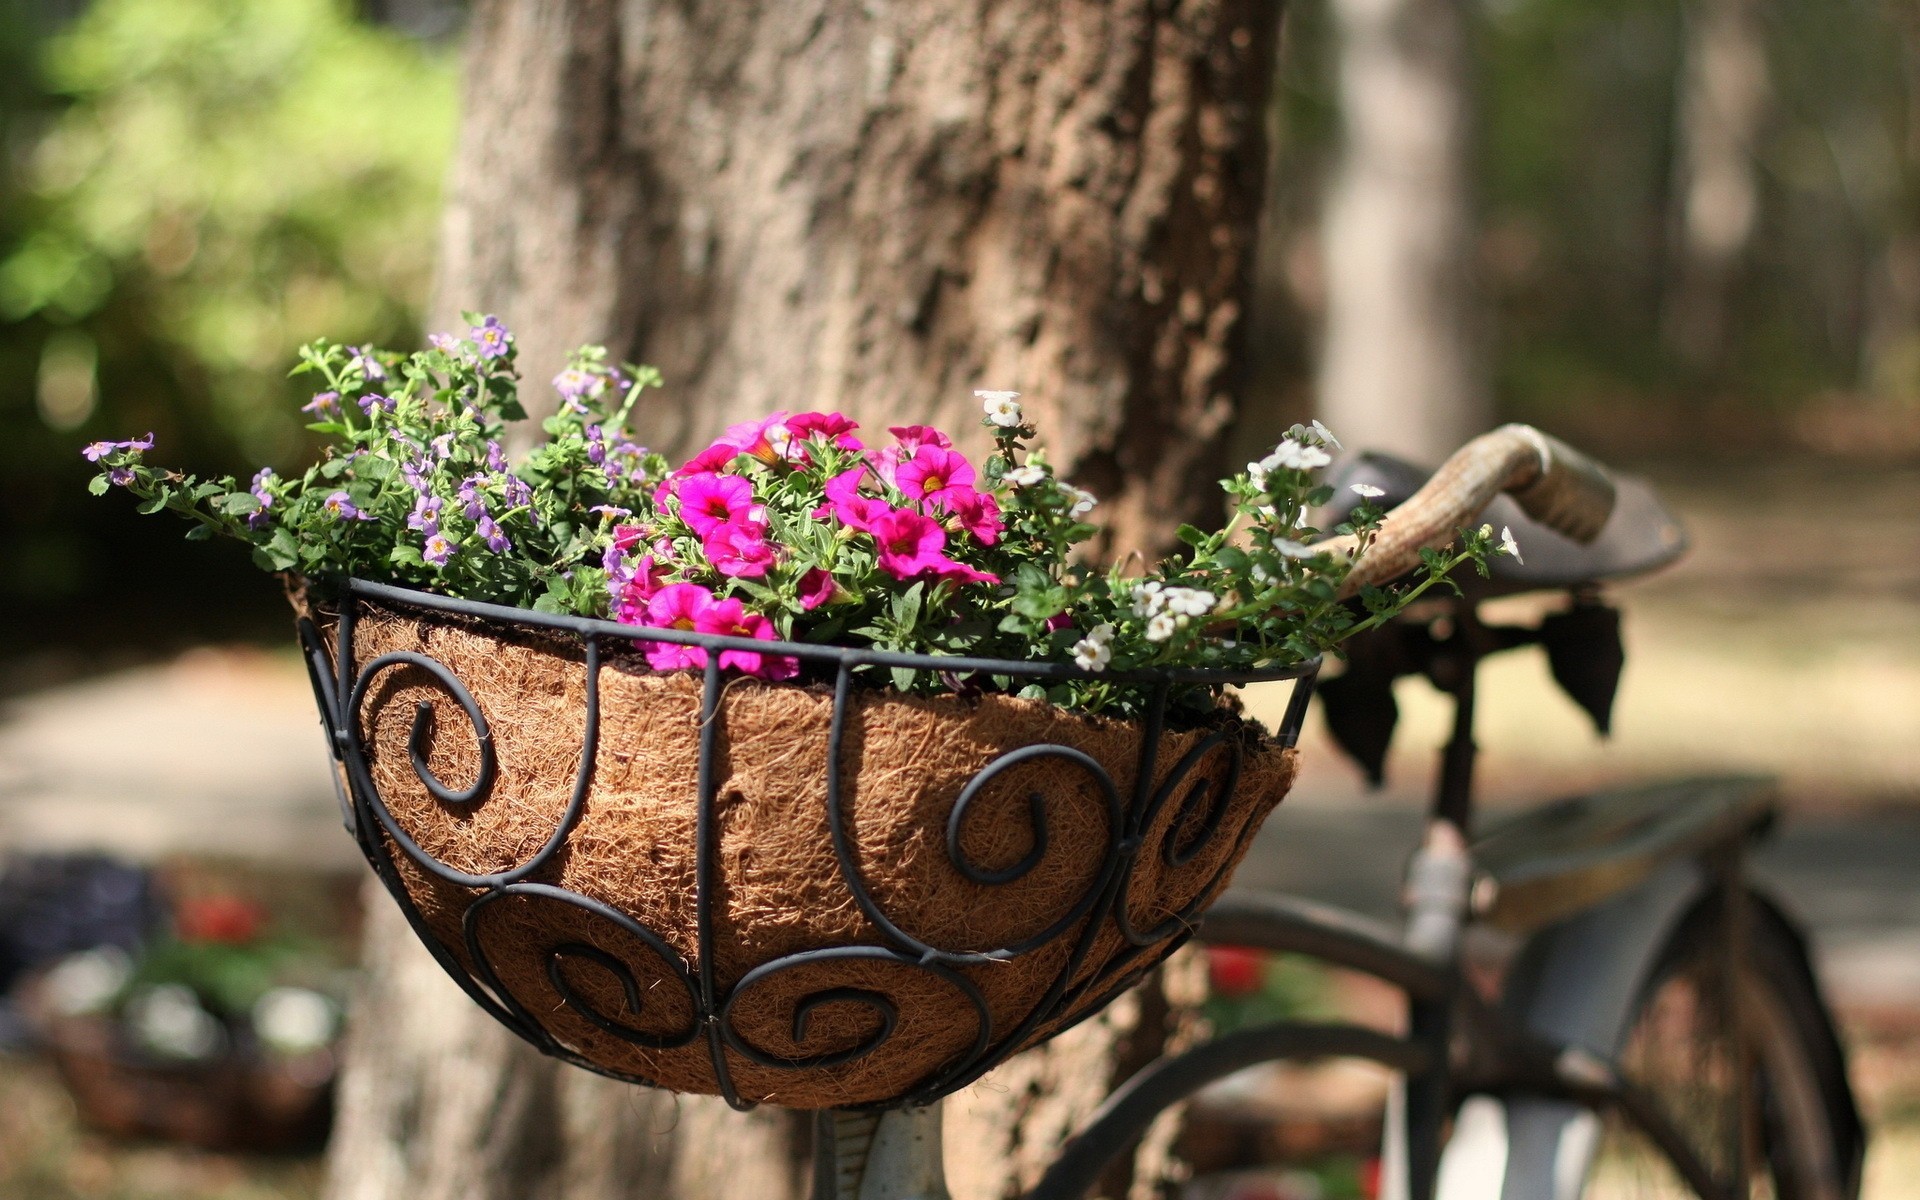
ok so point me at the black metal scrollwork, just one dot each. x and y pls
(341, 693)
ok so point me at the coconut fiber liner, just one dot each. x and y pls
(777, 888)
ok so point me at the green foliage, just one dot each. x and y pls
(243, 175)
(414, 488)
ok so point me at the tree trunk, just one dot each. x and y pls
(872, 207)
(1402, 368)
(1723, 101)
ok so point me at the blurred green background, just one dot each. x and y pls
(189, 190)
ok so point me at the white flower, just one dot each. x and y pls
(1296, 456)
(1326, 435)
(1150, 599)
(169, 1020)
(294, 1020)
(781, 441)
(1091, 655)
(1103, 633)
(1161, 627)
(1288, 549)
(1257, 474)
(1083, 500)
(1509, 546)
(1260, 574)
(1027, 476)
(1190, 602)
(1003, 408)
(88, 981)
(1367, 491)
(1313, 457)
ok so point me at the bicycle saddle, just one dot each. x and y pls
(1640, 536)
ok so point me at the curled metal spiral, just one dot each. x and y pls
(710, 1004)
(880, 1004)
(555, 958)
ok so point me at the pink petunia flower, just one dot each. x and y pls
(908, 440)
(739, 549)
(769, 439)
(626, 537)
(958, 573)
(829, 425)
(909, 543)
(710, 500)
(729, 618)
(912, 437)
(682, 606)
(976, 512)
(816, 588)
(715, 458)
(845, 503)
(932, 472)
(639, 585)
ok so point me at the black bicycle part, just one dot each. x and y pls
(1732, 949)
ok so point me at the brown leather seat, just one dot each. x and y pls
(1640, 536)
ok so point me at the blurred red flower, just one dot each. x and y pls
(1235, 970)
(227, 919)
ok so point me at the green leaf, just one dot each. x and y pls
(906, 607)
(903, 678)
(280, 553)
(98, 485)
(149, 507)
(1190, 535)
(237, 504)
(406, 556)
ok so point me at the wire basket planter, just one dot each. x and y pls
(824, 895)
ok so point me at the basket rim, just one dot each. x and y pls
(842, 656)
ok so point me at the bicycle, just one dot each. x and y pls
(1660, 1032)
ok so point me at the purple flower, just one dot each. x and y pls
(369, 365)
(414, 471)
(342, 508)
(323, 404)
(475, 505)
(491, 337)
(613, 560)
(446, 343)
(611, 510)
(518, 494)
(372, 400)
(120, 476)
(95, 451)
(426, 515)
(596, 445)
(489, 531)
(574, 383)
(496, 457)
(258, 517)
(439, 549)
(442, 447)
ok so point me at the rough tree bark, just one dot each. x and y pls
(1401, 366)
(1724, 96)
(872, 207)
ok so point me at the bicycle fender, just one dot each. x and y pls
(1575, 983)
